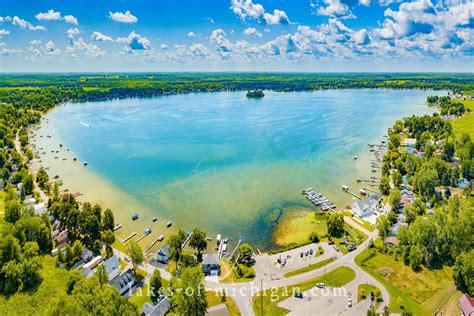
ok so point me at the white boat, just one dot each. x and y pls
(161, 237)
(147, 231)
(116, 227)
(345, 187)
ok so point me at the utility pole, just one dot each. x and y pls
(261, 295)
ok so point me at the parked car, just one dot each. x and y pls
(298, 295)
(301, 255)
(336, 248)
(127, 258)
(330, 242)
(320, 285)
(311, 252)
(351, 247)
(349, 301)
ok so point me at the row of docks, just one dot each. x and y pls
(318, 199)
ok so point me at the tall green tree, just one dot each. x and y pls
(335, 224)
(191, 298)
(198, 241)
(156, 285)
(136, 254)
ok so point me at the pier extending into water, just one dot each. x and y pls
(129, 237)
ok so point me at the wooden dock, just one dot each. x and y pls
(141, 237)
(128, 238)
(353, 194)
(152, 244)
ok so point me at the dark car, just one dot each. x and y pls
(298, 295)
(301, 255)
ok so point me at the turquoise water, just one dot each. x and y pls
(229, 164)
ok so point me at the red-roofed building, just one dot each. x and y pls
(466, 304)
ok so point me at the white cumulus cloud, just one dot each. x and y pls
(247, 9)
(51, 15)
(99, 37)
(126, 17)
(251, 31)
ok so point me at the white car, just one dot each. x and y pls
(320, 285)
(127, 258)
(349, 301)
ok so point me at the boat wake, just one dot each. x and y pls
(85, 124)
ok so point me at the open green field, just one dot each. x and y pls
(419, 292)
(311, 267)
(465, 124)
(336, 278)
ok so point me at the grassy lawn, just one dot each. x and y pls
(419, 292)
(214, 299)
(119, 246)
(363, 223)
(46, 296)
(296, 225)
(465, 124)
(229, 275)
(271, 297)
(451, 307)
(311, 267)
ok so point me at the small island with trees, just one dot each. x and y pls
(255, 94)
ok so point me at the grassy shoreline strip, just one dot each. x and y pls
(311, 267)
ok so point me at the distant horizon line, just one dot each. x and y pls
(234, 71)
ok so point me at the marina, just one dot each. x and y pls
(318, 199)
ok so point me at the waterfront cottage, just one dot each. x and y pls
(112, 266)
(210, 264)
(124, 282)
(162, 255)
(366, 207)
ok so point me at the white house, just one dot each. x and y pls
(366, 207)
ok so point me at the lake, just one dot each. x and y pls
(220, 161)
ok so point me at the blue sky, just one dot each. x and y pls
(236, 35)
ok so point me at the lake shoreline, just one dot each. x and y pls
(97, 189)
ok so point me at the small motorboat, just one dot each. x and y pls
(134, 217)
(161, 237)
(155, 219)
(147, 231)
(85, 163)
(169, 224)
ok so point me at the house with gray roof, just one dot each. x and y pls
(366, 207)
(162, 255)
(124, 282)
(112, 266)
(210, 264)
(158, 309)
